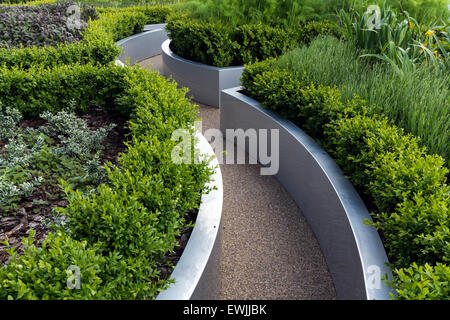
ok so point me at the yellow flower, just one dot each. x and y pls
(429, 32)
(411, 24)
(425, 45)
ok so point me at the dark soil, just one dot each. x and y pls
(33, 212)
(114, 142)
(172, 258)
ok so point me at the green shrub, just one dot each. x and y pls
(131, 278)
(422, 283)
(252, 70)
(417, 102)
(418, 230)
(147, 91)
(37, 89)
(356, 143)
(308, 106)
(214, 43)
(141, 213)
(260, 42)
(101, 51)
(153, 13)
(98, 43)
(406, 185)
(116, 25)
(127, 226)
(208, 43)
(119, 221)
(400, 175)
(307, 32)
(43, 272)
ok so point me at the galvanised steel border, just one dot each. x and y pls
(204, 82)
(196, 273)
(143, 45)
(354, 252)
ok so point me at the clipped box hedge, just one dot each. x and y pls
(118, 236)
(223, 46)
(98, 43)
(407, 186)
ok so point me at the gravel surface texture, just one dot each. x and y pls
(268, 249)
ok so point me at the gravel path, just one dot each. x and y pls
(268, 249)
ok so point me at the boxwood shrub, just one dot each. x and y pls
(39, 89)
(118, 235)
(214, 43)
(407, 186)
(97, 45)
(423, 282)
(153, 13)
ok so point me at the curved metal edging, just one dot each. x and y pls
(204, 82)
(354, 252)
(150, 27)
(196, 273)
(143, 45)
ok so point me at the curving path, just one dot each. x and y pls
(268, 249)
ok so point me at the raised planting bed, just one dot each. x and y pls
(354, 252)
(35, 153)
(208, 56)
(154, 217)
(196, 273)
(403, 185)
(118, 235)
(204, 82)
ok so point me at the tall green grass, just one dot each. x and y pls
(288, 12)
(417, 101)
(398, 39)
(426, 12)
(273, 12)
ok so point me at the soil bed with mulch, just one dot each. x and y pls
(35, 212)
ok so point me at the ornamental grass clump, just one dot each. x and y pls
(269, 12)
(417, 101)
(398, 39)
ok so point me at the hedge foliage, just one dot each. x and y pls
(40, 89)
(417, 101)
(216, 44)
(407, 185)
(423, 282)
(97, 45)
(117, 236)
